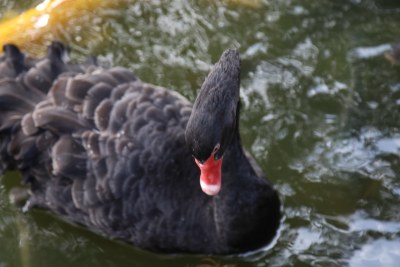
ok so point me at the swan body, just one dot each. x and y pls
(103, 149)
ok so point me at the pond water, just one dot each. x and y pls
(321, 116)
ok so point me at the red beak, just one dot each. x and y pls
(210, 177)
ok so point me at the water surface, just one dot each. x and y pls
(321, 116)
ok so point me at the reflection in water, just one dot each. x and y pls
(364, 154)
(42, 21)
(381, 252)
(305, 238)
(368, 52)
(359, 222)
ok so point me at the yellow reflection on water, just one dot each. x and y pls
(49, 19)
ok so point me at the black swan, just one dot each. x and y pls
(122, 157)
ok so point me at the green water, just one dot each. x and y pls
(321, 116)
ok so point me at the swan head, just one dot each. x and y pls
(213, 121)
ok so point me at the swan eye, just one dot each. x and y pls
(216, 148)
